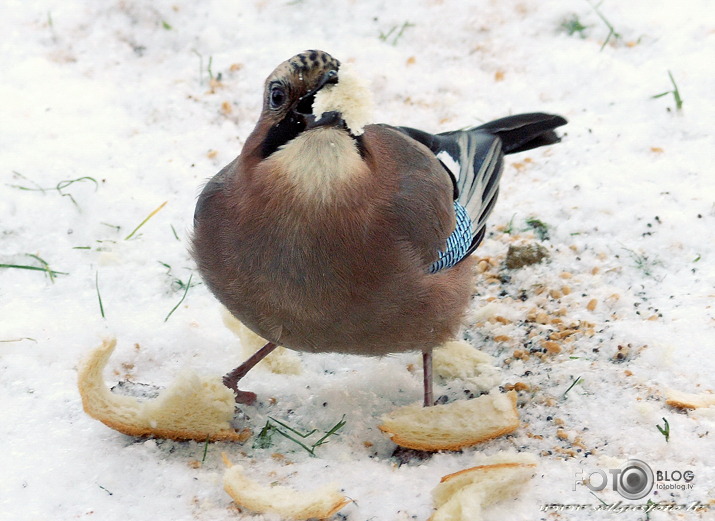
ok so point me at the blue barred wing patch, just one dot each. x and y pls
(457, 244)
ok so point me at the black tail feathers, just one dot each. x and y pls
(525, 131)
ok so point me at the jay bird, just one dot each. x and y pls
(321, 240)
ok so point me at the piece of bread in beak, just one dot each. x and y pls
(351, 97)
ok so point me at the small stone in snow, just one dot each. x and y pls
(520, 256)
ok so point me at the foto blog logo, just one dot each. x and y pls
(632, 481)
(635, 479)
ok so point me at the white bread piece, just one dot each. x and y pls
(455, 425)
(191, 408)
(287, 502)
(351, 96)
(683, 400)
(505, 456)
(458, 359)
(280, 361)
(462, 496)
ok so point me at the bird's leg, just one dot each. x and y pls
(427, 377)
(231, 379)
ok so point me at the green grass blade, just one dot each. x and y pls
(577, 380)
(332, 431)
(186, 290)
(152, 214)
(45, 267)
(665, 430)
(99, 295)
(206, 449)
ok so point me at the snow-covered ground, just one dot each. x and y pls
(109, 109)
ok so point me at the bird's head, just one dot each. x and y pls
(310, 91)
(289, 95)
(292, 86)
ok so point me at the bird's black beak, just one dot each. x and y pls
(329, 78)
(328, 119)
(305, 103)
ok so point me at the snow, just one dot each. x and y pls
(120, 92)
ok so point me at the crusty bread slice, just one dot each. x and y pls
(191, 408)
(454, 425)
(462, 496)
(683, 400)
(280, 361)
(287, 502)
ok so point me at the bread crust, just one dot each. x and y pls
(433, 437)
(481, 468)
(683, 400)
(461, 496)
(128, 415)
(316, 504)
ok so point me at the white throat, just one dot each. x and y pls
(319, 161)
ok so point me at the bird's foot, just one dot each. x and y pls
(242, 397)
(245, 397)
(231, 379)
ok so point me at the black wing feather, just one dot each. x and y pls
(479, 152)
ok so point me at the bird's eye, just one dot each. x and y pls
(278, 96)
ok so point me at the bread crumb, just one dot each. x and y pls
(518, 386)
(566, 452)
(552, 347)
(621, 353)
(520, 354)
(578, 442)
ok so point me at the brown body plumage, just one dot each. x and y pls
(321, 240)
(344, 270)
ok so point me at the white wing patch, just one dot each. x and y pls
(450, 163)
